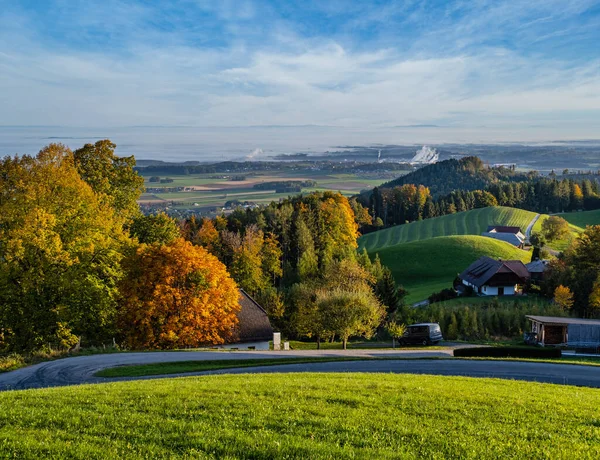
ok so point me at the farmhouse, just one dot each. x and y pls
(254, 329)
(570, 332)
(512, 235)
(537, 268)
(489, 276)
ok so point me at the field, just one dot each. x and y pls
(582, 219)
(559, 245)
(303, 416)
(473, 222)
(204, 191)
(428, 266)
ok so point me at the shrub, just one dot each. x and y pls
(508, 352)
(444, 294)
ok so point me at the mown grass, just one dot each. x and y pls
(582, 219)
(473, 222)
(303, 416)
(425, 267)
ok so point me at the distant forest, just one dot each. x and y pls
(461, 185)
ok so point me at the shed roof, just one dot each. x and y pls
(537, 266)
(254, 324)
(482, 270)
(558, 320)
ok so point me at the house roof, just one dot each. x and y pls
(560, 321)
(254, 324)
(482, 270)
(511, 238)
(537, 266)
(504, 229)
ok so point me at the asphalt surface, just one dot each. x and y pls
(81, 369)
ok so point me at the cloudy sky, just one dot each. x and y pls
(473, 64)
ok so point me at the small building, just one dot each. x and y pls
(491, 277)
(566, 332)
(512, 235)
(254, 331)
(536, 269)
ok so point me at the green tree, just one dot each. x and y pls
(156, 228)
(555, 228)
(110, 176)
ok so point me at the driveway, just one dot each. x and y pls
(80, 370)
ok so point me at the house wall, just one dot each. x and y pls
(493, 290)
(583, 336)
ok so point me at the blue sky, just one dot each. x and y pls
(477, 64)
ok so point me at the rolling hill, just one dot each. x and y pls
(472, 222)
(428, 266)
(582, 219)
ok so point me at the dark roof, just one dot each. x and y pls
(482, 271)
(558, 320)
(504, 229)
(537, 266)
(254, 324)
(511, 238)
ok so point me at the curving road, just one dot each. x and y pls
(81, 370)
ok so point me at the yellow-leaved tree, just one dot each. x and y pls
(176, 295)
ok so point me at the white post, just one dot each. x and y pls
(286, 346)
(277, 341)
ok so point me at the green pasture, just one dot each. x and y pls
(473, 222)
(342, 416)
(582, 219)
(427, 266)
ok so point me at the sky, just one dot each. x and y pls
(474, 66)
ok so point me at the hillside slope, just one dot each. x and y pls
(428, 266)
(473, 222)
(582, 219)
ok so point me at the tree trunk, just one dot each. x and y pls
(345, 342)
(318, 342)
(393, 342)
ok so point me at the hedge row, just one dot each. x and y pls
(508, 352)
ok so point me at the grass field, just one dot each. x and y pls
(506, 300)
(558, 245)
(303, 416)
(473, 222)
(425, 267)
(582, 219)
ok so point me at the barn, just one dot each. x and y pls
(489, 276)
(566, 332)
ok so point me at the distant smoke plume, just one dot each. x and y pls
(379, 157)
(426, 155)
(255, 153)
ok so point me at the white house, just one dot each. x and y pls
(491, 277)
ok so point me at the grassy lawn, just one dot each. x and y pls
(303, 416)
(582, 219)
(558, 245)
(425, 267)
(473, 222)
(505, 300)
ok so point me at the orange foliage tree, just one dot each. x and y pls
(176, 295)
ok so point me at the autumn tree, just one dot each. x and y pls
(61, 247)
(563, 297)
(176, 295)
(110, 176)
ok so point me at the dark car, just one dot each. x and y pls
(422, 334)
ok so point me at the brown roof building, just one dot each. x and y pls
(489, 276)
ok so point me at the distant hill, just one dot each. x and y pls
(472, 222)
(428, 266)
(469, 173)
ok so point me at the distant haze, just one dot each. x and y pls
(253, 143)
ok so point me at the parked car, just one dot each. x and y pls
(422, 334)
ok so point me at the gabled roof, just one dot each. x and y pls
(504, 229)
(537, 266)
(254, 324)
(560, 321)
(514, 239)
(482, 270)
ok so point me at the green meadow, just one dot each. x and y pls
(316, 416)
(428, 266)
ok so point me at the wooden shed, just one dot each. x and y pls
(568, 332)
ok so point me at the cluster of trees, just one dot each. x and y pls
(298, 259)
(575, 275)
(80, 264)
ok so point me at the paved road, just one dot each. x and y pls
(79, 370)
(530, 226)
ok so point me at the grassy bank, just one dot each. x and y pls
(303, 416)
